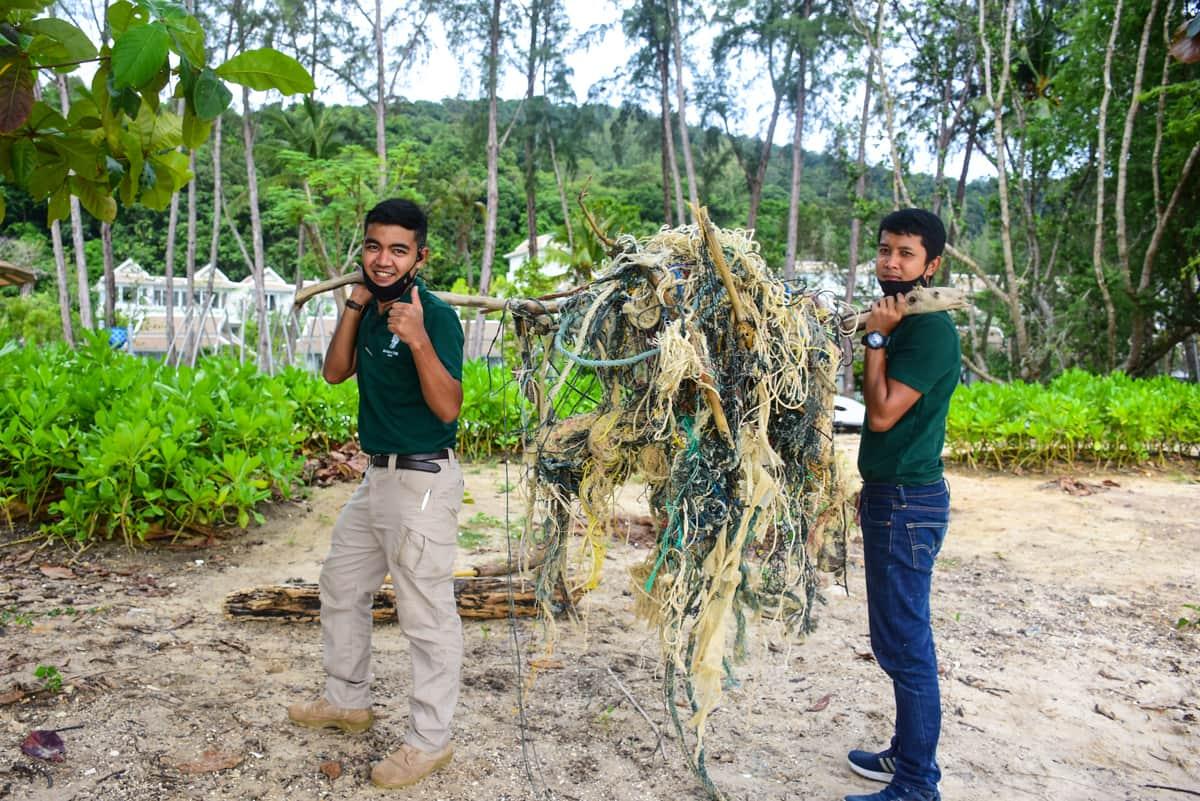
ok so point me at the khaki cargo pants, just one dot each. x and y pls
(403, 522)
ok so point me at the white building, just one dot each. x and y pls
(142, 299)
(552, 260)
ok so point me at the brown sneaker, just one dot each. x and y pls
(408, 766)
(321, 714)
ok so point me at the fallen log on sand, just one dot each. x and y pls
(478, 598)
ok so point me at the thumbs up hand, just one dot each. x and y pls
(407, 321)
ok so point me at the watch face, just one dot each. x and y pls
(875, 339)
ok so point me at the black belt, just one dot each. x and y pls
(425, 462)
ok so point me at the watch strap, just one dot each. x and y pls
(351, 303)
(883, 339)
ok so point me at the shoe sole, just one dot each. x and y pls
(438, 765)
(346, 726)
(873, 775)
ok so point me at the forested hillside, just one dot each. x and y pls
(1082, 244)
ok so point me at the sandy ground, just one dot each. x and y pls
(1064, 677)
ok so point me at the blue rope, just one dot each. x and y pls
(583, 361)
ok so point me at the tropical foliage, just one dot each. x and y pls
(1112, 419)
(101, 444)
(115, 136)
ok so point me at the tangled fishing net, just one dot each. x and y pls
(710, 380)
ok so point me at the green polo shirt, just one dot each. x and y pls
(392, 414)
(923, 353)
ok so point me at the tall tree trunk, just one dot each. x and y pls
(64, 282)
(214, 242)
(1139, 331)
(1126, 143)
(192, 230)
(562, 195)
(960, 189)
(169, 271)
(860, 192)
(493, 167)
(380, 97)
(675, 20)
(793, 229)
(531, 135)
(1190, 356)
(994, 92)
(760, 170)
(1101, 151)
(664, 91)
(110, 280)
(81, 269)
(256, 238)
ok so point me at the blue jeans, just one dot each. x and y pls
(903, 528)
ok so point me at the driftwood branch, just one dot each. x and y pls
(533, 306)
(478, 598)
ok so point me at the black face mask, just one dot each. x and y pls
(384, 294)
(901, 287)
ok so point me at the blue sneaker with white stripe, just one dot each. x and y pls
(880, 767)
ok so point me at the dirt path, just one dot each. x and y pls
(1063, 676)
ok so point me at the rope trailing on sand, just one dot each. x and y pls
(700, 373)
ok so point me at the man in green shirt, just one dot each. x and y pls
(405, 347)
(910, 369)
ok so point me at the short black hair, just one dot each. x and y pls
(401, 212)
(917, 222)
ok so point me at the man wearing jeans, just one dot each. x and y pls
(406, 347)
(910, 370)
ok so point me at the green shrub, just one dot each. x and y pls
(1077, 416)
(100, 443)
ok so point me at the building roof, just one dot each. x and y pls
(543, 241)
(12, 275)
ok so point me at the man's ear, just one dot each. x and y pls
(932, 268)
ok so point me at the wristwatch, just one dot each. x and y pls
(875, 340)
(351, 303)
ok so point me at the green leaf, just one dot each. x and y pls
(126, 100)
(3, 209)
(44, 118)
(80, 154)
(82, 111)
(27, 5)
(58, 41)
(164, 9)
(188, 40)
(158, 131)
(210, 96)
(123, 14)
(16, 93)
(49, 177)
(59, 206)
(131, 146)
(138, 55)
(24, 160)
(267, 68)
(174, 163)
(95, 198)
(195, 130)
